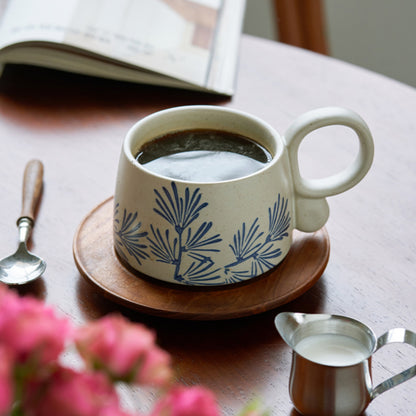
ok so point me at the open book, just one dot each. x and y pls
(189, 44)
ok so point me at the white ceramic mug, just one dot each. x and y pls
(217, 233)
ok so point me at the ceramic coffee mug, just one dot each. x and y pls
(227, 231)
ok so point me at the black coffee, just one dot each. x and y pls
(203, 155)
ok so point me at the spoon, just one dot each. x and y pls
(23, 266)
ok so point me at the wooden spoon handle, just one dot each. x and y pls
(32, 189)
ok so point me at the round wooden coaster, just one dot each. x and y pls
(98, 263)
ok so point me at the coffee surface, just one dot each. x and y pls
(203, 156)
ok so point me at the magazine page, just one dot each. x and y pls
(184, 39)
(25, 20)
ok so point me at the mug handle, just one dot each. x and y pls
(395, 335)
(312, 210)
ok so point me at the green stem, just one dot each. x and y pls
(17, 409)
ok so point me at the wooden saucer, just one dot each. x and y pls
(98, 263)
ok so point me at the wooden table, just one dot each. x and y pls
(76, 125)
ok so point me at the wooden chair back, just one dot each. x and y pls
(302, 23)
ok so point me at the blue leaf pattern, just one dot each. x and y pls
(128, 236)
(255, 250)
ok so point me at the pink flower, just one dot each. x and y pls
(3, 291)
(187, 401)
(125, 350)
(155, 369)
(6, 382)
(71, 393)
(31, 329)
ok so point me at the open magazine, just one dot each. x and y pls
(189, 44)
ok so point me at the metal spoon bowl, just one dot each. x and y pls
(23, 266)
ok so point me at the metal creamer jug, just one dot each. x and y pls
(331, 363)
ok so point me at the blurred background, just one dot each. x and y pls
(379, 35)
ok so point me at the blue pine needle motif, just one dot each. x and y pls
(163, 247)
(128, 236)
(180, 212)
(253, 254)
(255, 250)
(279, 220)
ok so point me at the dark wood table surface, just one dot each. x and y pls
(76, 126)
